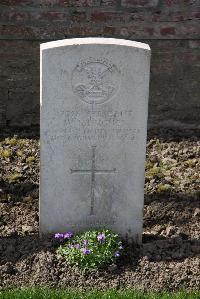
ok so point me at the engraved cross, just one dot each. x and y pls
(93, 172)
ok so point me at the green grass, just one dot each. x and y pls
(44, 293)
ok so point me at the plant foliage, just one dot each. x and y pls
(90, 250)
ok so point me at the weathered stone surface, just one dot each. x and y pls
(94, 98)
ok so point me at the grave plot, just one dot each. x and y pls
(167, 259)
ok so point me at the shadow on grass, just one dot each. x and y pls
(26, 132)
(15, 247)
(173, 134)
(170, 208)
(18, 190)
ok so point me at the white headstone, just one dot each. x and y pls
(94, 102)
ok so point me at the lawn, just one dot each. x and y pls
(109, 294)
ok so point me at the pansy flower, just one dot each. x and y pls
(101, 238)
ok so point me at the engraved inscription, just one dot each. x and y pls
(95, 81)
(95, 126)
(93, 171)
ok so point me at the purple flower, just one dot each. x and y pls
(68, 235)
(77, 246)
(58, 236)
(101, 238)
(85, 250)
(85, 242)
(117, 254)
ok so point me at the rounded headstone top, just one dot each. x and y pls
(94, 41)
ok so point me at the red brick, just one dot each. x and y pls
(82, 31)
(194, 44)
(169, 2)
(172, 16)
(136, 16)
(78, 16)
(52, 3)
(150, 31)
(7, 16)
(131, 31)
(109, 30)
(196, 15)
(178, 17)
(184, 4)
(81, 20)
(51, 16)
(193, 2)
(99, 16)
(32, 16)
(167, 31)
(140, 3)
(16, 31)
(16, 2)
(109, 2)
(192, 30)
(103, 16)
(124, 32)
(190, 58)
(77, 3)
(156, 17)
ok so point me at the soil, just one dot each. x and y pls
(169, 257)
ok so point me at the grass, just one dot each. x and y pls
(44, 293)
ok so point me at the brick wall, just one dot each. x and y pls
(171, 27)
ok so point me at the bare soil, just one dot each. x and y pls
(168, 259)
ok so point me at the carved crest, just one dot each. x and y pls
(95, 81)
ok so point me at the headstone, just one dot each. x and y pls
(94, 101)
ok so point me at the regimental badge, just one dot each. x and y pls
(95, 81)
